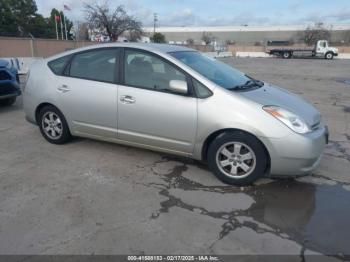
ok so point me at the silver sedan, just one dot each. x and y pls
(176, 100)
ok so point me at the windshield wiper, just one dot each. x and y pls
(250, 83)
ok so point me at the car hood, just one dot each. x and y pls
(273, 95)
(333, 49)
(3, 63)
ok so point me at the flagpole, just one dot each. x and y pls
(56, 27)
(61, 25)
(77, 32)
(65, 26)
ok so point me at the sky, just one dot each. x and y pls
(218, 12)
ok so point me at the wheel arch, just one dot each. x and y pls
(215, 134)
(41, 106)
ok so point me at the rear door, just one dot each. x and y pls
(148, 113)
(88, 92)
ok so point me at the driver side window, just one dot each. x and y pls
(144, 70)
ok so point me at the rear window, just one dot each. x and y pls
(57, 65)
(97, 65)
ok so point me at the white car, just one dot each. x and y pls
(174, 99)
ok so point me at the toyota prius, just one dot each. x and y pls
(176, 100)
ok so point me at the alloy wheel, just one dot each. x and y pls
(236, 159)
(52, 125)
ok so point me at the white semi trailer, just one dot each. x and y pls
(321, 49)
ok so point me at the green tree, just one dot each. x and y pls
(38, 27)
(20, 18)
(17, 16)
(158, 38)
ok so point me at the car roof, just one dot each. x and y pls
(157, 48)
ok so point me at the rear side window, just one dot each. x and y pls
(57, 66)
(98, 65)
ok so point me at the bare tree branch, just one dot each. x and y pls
(207, 38)
(113, 23)
(318, 32)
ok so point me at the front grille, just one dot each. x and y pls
(4, 75)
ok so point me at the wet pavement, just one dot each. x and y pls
(305, 213)
(90, 197)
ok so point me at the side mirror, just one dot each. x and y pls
(178, 86)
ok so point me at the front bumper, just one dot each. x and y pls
(296, 154)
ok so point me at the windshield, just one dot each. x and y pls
(216, 71)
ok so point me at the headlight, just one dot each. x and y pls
(294, 122)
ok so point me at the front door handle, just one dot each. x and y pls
(127, 99)
(63, 89)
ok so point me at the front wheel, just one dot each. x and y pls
(329, 55)
(237, 158)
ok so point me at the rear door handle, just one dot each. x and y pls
(63, 89)
(127, 99)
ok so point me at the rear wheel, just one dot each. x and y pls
(237, 158)
(53, 125)
(8, 101)
(329, 55)
(286, 55)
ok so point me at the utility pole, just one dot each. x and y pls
(155, 20)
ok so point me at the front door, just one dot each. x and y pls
(148, 113)
(322, 47)
(88, 94)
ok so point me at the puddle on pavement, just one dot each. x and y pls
(315, 216)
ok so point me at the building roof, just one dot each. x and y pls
(239, 28)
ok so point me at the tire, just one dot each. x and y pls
(8, 101)
(239, 160)
(286, 55)
(329, 56)
(53, 125)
